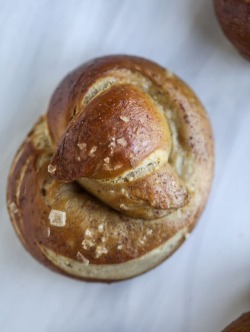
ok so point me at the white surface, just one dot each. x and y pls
(206, 283)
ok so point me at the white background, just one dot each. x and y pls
(206, 283)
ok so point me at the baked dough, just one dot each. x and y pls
(242, 324)
(114, 177)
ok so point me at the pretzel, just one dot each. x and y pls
(113, 178)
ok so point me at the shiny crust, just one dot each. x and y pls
(242, 324)
(234, 18)
(97, 242)
(100, 124)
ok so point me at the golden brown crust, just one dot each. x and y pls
(242, 324)
(68, 229)
(119, 123)
(68, 98)
(234, 18)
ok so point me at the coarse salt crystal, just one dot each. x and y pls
(117, 166)
(122, 142)
(57, 218)
(88, 232)
(124, 118)
(13, 207)
(106, 167)
(149, 231)
(100, 250)
(92, 151)
(100, 227)
(51, 169)
(87, 243)
(82, 146)
(81, 258)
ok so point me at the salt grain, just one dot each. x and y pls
(82, 146)
(106, 167)
(88, 232)
(124, 118)
(51, 169)
(13, 207)
(117, 166)
(87, 243)
(92, 151)
(123, 206)
(57, 218)
(81, 258)
(122, 142)
(149, 232)
(100, 250)
(100, 227)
